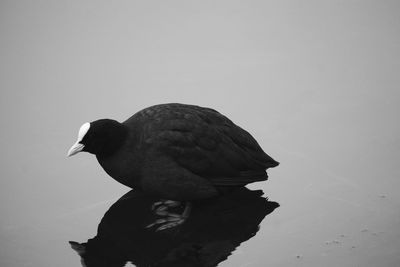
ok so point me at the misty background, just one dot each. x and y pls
(315, 82)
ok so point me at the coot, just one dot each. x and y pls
(175, 152)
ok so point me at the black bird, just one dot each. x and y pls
(176, 152)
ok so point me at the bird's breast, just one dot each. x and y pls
(123, 167)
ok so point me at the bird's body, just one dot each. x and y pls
(185, 152)
(179, 152)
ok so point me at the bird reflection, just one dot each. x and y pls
(214, 229)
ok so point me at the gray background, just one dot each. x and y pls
(316, 82)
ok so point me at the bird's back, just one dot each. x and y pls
(201, 141)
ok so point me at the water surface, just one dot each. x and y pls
(315, 82)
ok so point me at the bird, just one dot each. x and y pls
(177, 152)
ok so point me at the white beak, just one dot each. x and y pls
(75, 149)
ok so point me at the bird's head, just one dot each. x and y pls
(100, 137)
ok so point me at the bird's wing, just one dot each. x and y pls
(208, 144)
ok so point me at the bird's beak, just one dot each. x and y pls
(75, 149)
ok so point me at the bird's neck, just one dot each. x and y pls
(119, 136)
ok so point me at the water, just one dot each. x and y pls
(322, 219)
(315, 83)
